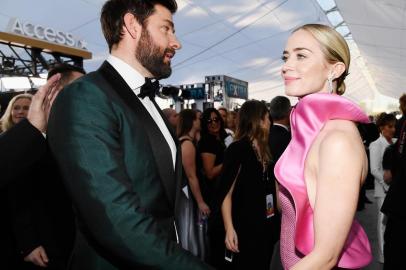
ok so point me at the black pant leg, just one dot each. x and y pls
(395, 239)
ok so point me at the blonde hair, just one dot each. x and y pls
(5, 120)
(334, 48)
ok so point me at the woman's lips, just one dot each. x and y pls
(289, 80)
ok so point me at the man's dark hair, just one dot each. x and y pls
(402, 104)
(113, 11)
(385, 119)
(279, 108)
(65, 70)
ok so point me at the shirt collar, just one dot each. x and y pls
(285, 127)
(131, 76)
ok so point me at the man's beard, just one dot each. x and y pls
(151, 57)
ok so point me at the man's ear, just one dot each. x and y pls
(131, 25)
(338, 70)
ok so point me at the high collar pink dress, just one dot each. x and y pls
(297, 233)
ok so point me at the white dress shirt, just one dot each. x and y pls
(135, 80)
(376, 151)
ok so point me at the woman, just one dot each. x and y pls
(321, 171)
(248, 194)
(386, 124)
(187, 130)
(211, 150)
(16, 111)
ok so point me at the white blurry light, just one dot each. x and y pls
(38, 81)
(43, 75)
(16, 83)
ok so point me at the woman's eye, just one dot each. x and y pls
(284, 58)
(301, 56)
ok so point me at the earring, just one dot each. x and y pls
(330, 84)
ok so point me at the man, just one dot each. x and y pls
(279, 134)
(20, 147)
(172, 117)
(120, 163)
(393, 207)
(223, 112)
(41, 213)
(402, 107)
(229, 133)
(279, 138)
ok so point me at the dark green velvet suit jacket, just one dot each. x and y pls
(118, 170)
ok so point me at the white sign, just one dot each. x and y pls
(45, 33)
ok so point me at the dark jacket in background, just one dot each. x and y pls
(279, 139)
(20, 147)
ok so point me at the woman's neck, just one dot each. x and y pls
(191, 134)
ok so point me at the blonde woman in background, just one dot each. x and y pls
(16, 111)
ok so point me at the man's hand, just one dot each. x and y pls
(38, 257)
(42, 102)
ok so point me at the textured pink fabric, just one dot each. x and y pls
(289, 255)
(307, 119)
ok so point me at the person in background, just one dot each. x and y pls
(402, 107)
(172, 117)
(223, 112)
(17, 110)
(118, 156)
(322, 169)
(386, 124)
(247, 193)
(230, 134)
(211, 150)
(369, 132)
(41, 212)
(25, 140)
(393, 206)
(232, 121)
(279, 138)
(279, 134)
(188, 129)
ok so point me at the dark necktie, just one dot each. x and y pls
(149, 89)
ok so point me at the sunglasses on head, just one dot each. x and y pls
(211, 120)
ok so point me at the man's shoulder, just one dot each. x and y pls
(87, 85)
(278, 131)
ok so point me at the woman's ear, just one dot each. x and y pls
(338, 70)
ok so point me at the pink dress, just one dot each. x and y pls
(297, 235)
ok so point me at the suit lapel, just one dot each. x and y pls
(160, 148)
